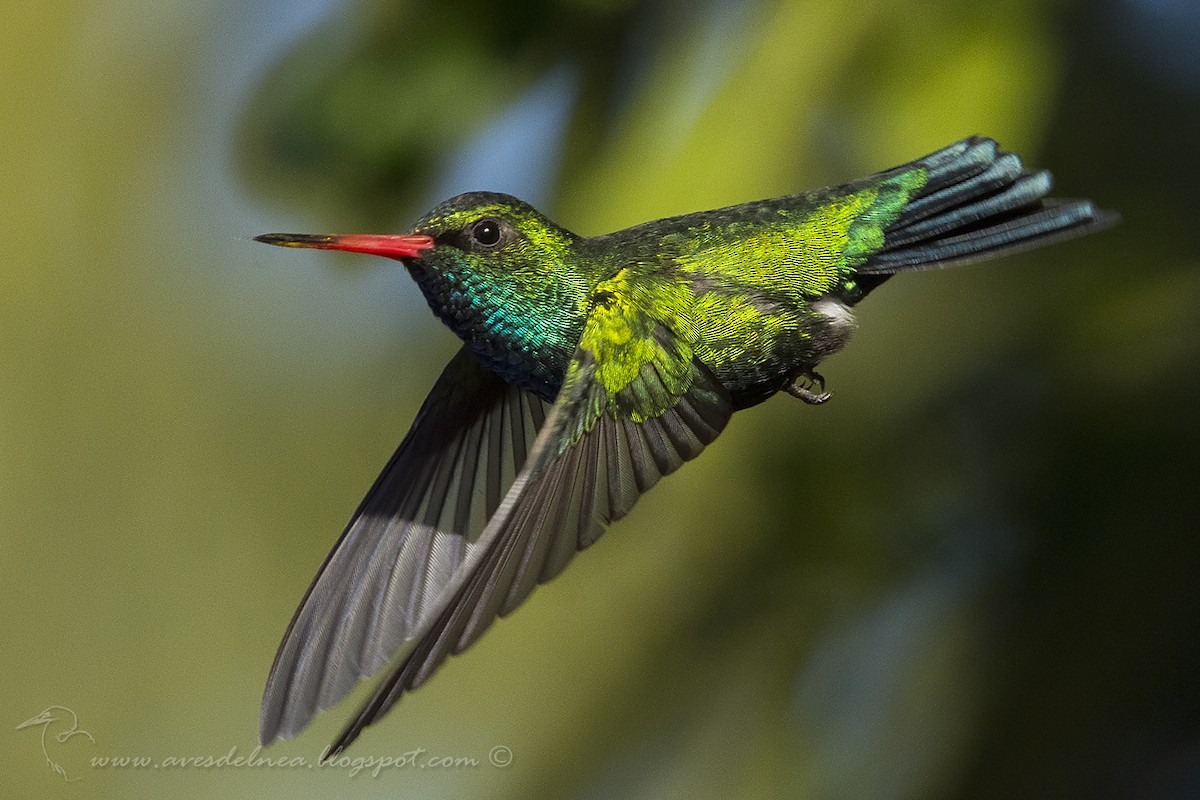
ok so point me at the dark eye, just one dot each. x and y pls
(486, 232)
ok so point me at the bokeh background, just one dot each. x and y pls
(973, 574)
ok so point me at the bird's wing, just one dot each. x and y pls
(385, 577)
(635, 404)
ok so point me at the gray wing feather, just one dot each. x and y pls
(577, 480)
(419, 523)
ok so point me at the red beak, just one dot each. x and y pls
(381, 245)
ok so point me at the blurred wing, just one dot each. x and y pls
(634, 406)
(417, 525)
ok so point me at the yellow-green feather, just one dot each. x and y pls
(621, 336)
(794, 256)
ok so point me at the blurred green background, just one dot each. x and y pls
(973, 574)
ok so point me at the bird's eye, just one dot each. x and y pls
(486, 232)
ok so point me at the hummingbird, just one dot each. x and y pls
(590, 368)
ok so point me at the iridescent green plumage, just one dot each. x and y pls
(592, 367)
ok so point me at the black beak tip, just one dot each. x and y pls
(291, 239)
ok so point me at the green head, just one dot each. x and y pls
(498, 273)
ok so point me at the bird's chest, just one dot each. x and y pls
(522, 338)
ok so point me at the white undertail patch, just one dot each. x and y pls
(837, 313)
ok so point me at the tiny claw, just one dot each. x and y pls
(804, 384)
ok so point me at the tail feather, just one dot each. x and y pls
(978, 202)
(950, 193)
(1025, 190)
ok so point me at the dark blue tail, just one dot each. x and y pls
(978, 202)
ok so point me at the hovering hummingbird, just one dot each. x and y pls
(592, 367)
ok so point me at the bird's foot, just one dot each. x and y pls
(805, 384)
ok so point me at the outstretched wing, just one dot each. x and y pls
(419, 523)
(634, 406)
